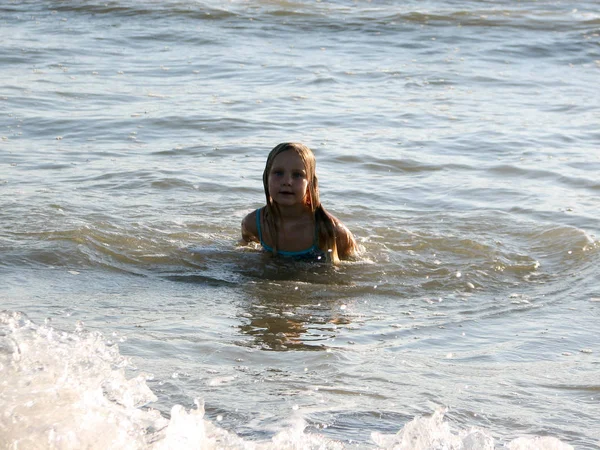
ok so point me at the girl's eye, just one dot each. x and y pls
(297, 175)
(278, 172)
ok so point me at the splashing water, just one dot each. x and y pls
(63, 390)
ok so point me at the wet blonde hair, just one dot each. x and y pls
(323, 220)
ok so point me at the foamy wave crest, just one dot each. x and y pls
(432, 433)
(68, 391)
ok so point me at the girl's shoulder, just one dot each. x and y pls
(346, 244)
(249, 226)
(344, 240)
(339, 227)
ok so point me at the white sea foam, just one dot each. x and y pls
(62, 390)
(68, 390)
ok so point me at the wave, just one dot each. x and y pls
(338, 15)
(70, 390)
(492, 251)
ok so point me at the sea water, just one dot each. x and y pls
(458, 140)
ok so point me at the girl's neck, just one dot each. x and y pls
(293, 212)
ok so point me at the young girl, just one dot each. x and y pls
(293, 223)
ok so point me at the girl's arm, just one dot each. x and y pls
(249, 229)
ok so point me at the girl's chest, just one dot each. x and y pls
(296, 237)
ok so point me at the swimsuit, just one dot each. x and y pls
(314, 252)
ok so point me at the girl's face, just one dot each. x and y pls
(288, 183)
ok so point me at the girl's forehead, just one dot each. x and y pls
(288, 158)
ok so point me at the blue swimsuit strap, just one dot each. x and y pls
(312, 249)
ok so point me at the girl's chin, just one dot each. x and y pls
(283, 198)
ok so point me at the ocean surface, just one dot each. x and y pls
(459, 140)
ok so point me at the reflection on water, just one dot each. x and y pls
(278, 327)
(289, 304)
(272, 332)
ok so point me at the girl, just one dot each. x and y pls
(293, 222)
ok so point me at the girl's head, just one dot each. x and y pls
(311, 196)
